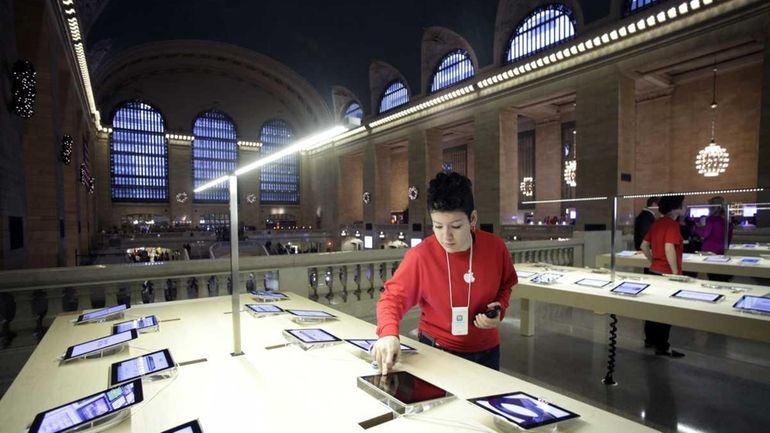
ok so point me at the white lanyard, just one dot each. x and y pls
(468, 276)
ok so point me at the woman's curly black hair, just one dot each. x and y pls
(450, 192)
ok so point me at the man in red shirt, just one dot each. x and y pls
(663, 246)
(460, 277)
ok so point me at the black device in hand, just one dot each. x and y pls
(493, 312)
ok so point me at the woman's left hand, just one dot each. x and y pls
(481, 320)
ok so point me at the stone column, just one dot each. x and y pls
(371, 181)
(382, 203)
(496, 190)
(763, 157)
(548, 169)
(416, 149)
(605, 121)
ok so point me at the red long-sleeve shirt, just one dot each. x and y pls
(422, 278)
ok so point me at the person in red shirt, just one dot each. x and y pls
(663, 246)
(456, 276)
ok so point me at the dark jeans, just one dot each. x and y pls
(488, 358)
(656, 334)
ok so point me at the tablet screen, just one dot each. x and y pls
(749, 260)
(366, 344)
(88, 409)
(757, 304)
(546, 278)
(144, 322)
(406, 387)
(697, 296)
(313, 335)
(629, 288)
(135, 368)
(188, 427)
(523, 409)
(100, 343)
(717, 259)
(626, 253)
(310, 313)
(269, 294)
(101, 313)
(525, 274)
(591, 282)
(264, 308)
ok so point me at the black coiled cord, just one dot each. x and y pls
(608, 379)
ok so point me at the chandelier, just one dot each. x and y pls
(713, 159)
(570, 172)
(527, 186)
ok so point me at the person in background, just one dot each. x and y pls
(712, 230)
(663, 246)
(461, 277)
(644, 221)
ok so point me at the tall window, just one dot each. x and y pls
(214, 154)
(279, 181)
(395, 94)
(543, 28)
(453, 68)
(635, 5)
(138, 154)
(353, 114)
(456, 159)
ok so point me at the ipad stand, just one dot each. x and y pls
(397, 406)
(107, 351)
(102, 424)
(107, 318)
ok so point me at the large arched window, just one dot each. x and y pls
(635, 5)
(453, 68)
(278, 181)
(138, 154)
(214, 154)
(353, 114)
(394, 95)
(543, 28)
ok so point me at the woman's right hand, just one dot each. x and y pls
(386, 352)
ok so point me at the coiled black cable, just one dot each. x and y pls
(612, 351)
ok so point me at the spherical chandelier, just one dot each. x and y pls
(713, 159)
(570, 172)
(527, 186)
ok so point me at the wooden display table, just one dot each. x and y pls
(749, 250)
(284, 389)
(696, 263)
(654, 303)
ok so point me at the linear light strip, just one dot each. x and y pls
(565, 200)
(689, 193)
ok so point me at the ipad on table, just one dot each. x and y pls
(89, 409)
(546, 278)
(404, 392)
(629, 288)
(264, 308)
(311, 315)
(717, 259)
(103, 314)
(143, 324)
(188, 427)
(525, 274)
(753, 304)
(693, 295)
(592, 282)
(146, 365)
(92, 347)
(310, 338)
(749, 260)
(268, 295)
(523, 410)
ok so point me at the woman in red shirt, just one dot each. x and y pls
(461, 278)
(663, 246)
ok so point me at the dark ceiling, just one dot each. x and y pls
(329, 42)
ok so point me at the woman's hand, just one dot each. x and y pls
(481, 320)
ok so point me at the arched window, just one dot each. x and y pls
(214, 154)
(633, 6)
(278, 181)
(138, 154)
(395, 94)
(453, 68)
(353, 114)
(543, 28)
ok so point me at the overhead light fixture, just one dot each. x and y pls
(713, 159)
(527, 187)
